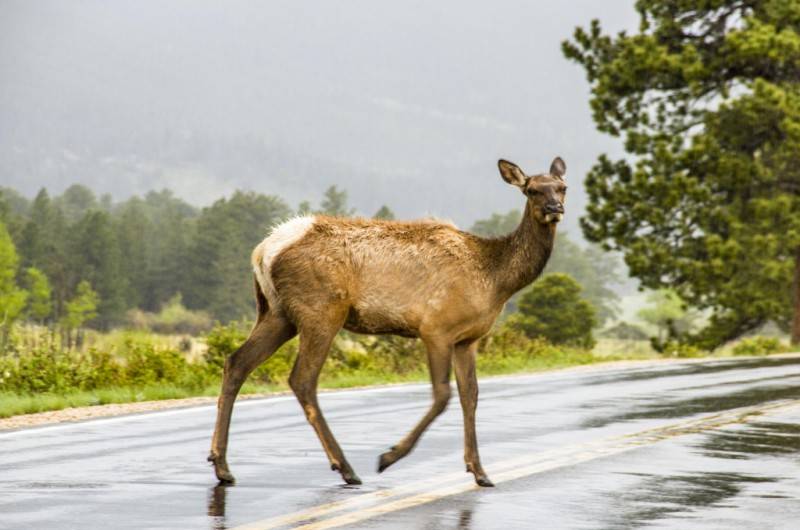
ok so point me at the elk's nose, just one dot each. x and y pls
(554, 207)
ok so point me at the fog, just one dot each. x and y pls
(407, 104)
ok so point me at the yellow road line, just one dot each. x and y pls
(419, 492)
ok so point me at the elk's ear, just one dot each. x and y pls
(558, 168)
(511, 173)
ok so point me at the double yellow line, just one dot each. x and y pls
(377, 503)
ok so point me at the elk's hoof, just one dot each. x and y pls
(224, 475)
(386, 460)
(221, 470)
(480, 476)
(484, 482)
(348, 475)
(352, 479)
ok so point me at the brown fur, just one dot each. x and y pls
(423, 279)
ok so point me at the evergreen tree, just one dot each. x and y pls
(15, 203)
(40, 303)
(595, 270)
(498, 224)
(335, 203)
(667, 313)
(304, 208)
(133, 231)
(12, 298)
(707, 202)
(43, 245)
(220, 275)
(553, 308)
(384, 213)
(13, 208)
(76, 201)
(79, 310)
(172, 222)
(96, 258)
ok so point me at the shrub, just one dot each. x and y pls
(553, 308)
(172, 318)
(278, 367)
(673, 348)
(223, 340)
(508, 339)
(50, 370)
(758, 346)
(144, 364)
(138, 363)
(394, 354)
(98, 369)
(625, 331)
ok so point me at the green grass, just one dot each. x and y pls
(12, 404)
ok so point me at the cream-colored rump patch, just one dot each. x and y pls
(281, 237)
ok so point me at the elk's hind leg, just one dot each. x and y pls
(269, 333)
(315, 341)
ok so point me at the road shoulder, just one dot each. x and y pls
(78, 414)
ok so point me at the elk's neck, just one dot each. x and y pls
(521, 255)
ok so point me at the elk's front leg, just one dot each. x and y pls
(464, 360)
(439, 361)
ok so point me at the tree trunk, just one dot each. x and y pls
(796, 298)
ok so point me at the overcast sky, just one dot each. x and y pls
(404, 103)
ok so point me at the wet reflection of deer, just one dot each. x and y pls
(316, 275)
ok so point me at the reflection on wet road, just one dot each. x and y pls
(686, 445)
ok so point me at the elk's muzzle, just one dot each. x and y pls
(553, 212)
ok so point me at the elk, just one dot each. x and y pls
(315, 275)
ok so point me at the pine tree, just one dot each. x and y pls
(82, 307)
(40, 304)
(43, 245)
(76, 201)
(553, 308)
(172, 224)
(384, 213)
(707, 201)
(133, 231)
(96, 257)
(335, 203)
(12, 298)
(219, 275)
(79, 310)
(498, 224)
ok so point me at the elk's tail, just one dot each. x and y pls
(257, 259)
(261, 301)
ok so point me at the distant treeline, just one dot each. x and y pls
(141, 252)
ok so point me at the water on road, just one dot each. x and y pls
(712, 444)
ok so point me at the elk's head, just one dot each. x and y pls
(545, 192)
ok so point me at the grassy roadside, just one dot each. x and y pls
(138, 369)
(12, 404)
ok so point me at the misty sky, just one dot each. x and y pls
(404, 103)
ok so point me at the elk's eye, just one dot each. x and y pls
(532, 192)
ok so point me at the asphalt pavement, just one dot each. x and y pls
(711, 444)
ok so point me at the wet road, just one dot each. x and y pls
(686, 445)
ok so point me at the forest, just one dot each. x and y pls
(134, 258)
